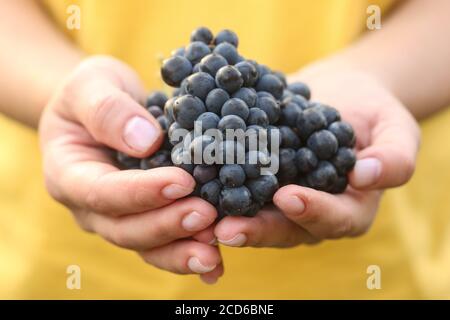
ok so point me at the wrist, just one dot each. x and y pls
(51, 82)
(339, 71)
(346, 69)
(339, 65)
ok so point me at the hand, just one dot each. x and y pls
(387, 144)
(95, 108)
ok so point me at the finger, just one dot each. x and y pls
(390, 159)
(206, 236)
(268, 228)
(102, 188)
(184, 257)
(328, 216)
(213, 276)
(111, 115)
(157, 227)
(117, 70)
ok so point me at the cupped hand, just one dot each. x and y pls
(97, 108)
(387, 143)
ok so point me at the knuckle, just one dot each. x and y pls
(260, 231)
(139, 190)
(405, 167)
(94, 201)
(312, 241)
(343, 228)
(68, 93)
(165, 230)
(54, 191)
(402, 164)
(150, 257)
(146, 257)
(417, 131)
(159, 232)
(256, 232)
(57, 192)
(120, 236)
(409, 166)
(361, 230)
(83, 226)
(82, 222)
(311, 216)
(291, 239)
(101, 108)
(180, 269)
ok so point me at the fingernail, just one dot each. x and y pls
(175, 191)
(238, 240)
(140, 134)
(295, 204)
(194, 221)
(366, 172)
(196, 266)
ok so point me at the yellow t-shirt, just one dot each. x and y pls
(409, 241)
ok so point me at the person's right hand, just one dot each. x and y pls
(96, 108)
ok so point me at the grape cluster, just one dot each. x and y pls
(219, 89)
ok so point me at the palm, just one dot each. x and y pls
(375, 116)
(97, 110)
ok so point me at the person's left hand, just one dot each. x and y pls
(387, 144)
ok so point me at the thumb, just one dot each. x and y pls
(98, 98)
(390, 159)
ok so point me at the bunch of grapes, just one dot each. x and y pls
(217, 90)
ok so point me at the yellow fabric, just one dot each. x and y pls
(410, 239)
